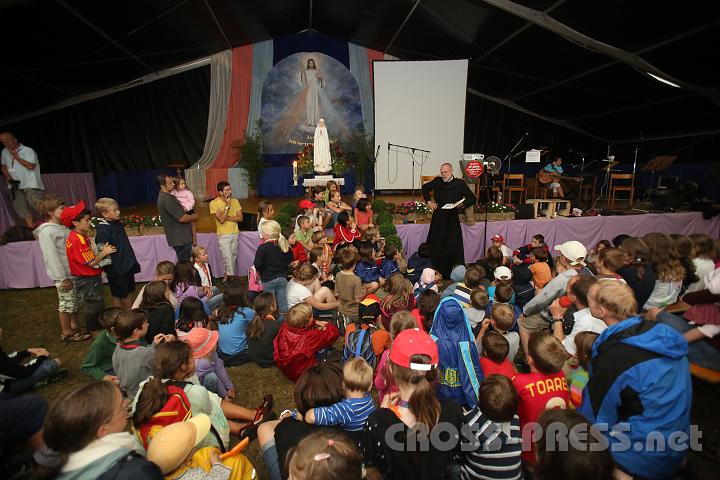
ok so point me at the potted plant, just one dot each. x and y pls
(250, 153)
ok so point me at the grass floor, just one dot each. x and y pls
(29, 319)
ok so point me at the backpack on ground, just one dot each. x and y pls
(359, 344)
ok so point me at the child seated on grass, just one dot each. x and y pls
(337, 206)
(200, 260)
(303, 238)
(369, 315)
(164, 272)
(363, 214)
(351, 413)
(367, 268)
(187, 284)
(27, 369)
(540, 268)
(545, 386)
(424, 313)
(348, 285)
(300, 339)
(192, 315)
(389, 265)
(384, 381)
(418, 262)
(495, 359)
(209, 367)
(476, 311)
(496, 427)
(133, 358)
(97, 363)
(233, 320)
(157, 310)
(400, 297)
(262, 330)
(501, 320)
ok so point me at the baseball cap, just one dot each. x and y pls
(503, 273)
(172, 445)
(305, 204)
(574, 251)
(497, 238)
(369, 309)
(414, 342)
(70, 213)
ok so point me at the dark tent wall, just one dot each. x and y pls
(145, 127)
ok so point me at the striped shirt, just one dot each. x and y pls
(350, 414)
(497, 448)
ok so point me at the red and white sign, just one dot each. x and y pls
(474, 169)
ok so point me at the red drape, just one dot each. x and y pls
(373, 55)
(237, 116)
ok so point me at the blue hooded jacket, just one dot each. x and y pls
(640, 386)
(459, 362)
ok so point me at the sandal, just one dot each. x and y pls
(250, 430)
(75, 336)
(261, 415)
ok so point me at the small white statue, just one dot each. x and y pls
(321, 149)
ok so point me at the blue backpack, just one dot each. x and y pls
(359, 344)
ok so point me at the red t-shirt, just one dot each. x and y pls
(538, 392)
(80, 253)
(489, 368)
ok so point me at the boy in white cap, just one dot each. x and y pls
(537, 317)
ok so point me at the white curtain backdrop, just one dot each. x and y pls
(220, 81)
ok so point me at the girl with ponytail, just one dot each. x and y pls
(272, 259)
(399, 439)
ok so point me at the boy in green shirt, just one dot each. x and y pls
(98, 361)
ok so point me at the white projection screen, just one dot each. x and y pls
(418, 104)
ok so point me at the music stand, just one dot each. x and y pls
(657, 164)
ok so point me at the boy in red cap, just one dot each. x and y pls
(499, 242)
(84, 263)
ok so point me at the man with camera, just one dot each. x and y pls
(22, 172)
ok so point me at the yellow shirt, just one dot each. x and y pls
(218, 206)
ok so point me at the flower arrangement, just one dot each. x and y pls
(407, 208)
(305, 163)
(494, 207)
(133, 221)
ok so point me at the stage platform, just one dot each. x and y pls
(23, 266)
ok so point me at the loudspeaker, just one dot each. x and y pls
(525, 211)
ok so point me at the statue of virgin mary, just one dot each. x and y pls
(321, 149)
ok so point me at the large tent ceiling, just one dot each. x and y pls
(583, 65)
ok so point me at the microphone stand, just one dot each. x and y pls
(508, 157)
(413, 149)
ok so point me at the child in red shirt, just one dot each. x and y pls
(85, 265)
(545, 387)
(300, 339)
(297, 248)
(495, 349)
